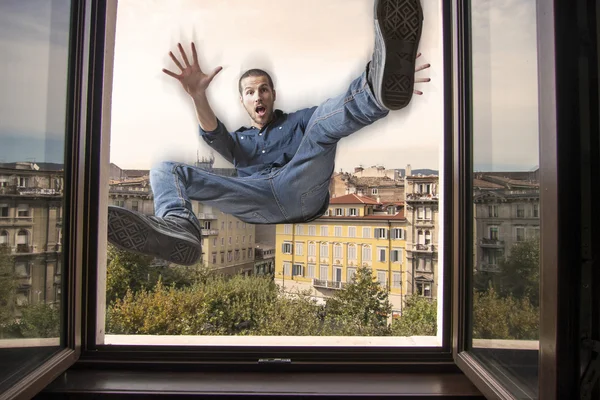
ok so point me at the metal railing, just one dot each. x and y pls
(322, 283)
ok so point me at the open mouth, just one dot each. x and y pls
(260, 110)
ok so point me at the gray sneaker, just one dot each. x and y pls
(172, 239)
(398, 25)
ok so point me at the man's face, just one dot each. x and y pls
(258, 98)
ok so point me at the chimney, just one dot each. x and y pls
(408, 171)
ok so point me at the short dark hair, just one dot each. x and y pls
(254, 72)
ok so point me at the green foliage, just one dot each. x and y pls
(238, 305)
(128, 271)
(8, 286)
(362, 307)
(496, 317)
(518, 276)
(419, 318)
(37, 321)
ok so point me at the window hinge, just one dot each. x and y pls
(592, 371)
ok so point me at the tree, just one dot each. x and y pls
(419, 318)
(130, 271)
(518, 276)
(362, 306)
(37, 321)
(8, 286)
(496, 317)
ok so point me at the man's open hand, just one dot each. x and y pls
(421, 80)
(193, 80)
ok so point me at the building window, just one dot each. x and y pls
(324, 230)
(326, 213)
(286, 248)
(420, 212)
(351, 252)
(353, 212)
(22, 269)
(380, 233)
(339, 212)
(244, 239)
(237, 240)
(299, 248)
(3, 210)
(135, 205)
(22, 182)
(428, 213)
(427, 237)
(396, 255)
(493, 230)
(337, 231)
(223, 225)
(237, 225)
(374, 191)
(229, 240)
(222, 257)
(323, 270)
(237, 255)
(297, 270)
(324, 250)
(214, 258)
(222, 241)
(351, 231)
(366, 253)
(520, 233)
(249, 253)
(520, 211)
(424, 289)
(428, 265)
(214, 242)
(536, 211)
(249, 239)
(230, 225)
(3, 181)
(366, 233)
(229, 256)
(3, 238)
(350, 272)
(312, 230)
(311, 271)
(382, 278)
(312, 249)
(381, 254)
(287, 229)
(398, 233)
(420, 237)
(206, 224)
(287, 269)
(299, 230)
(119, 203)
(337, 251)
(493, 211)
(420, 264)
(396, 279)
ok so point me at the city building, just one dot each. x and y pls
(264, 259)
(31, 212)
(506, 211)
(422, 218)
(323, 255)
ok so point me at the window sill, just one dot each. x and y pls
(82, 384)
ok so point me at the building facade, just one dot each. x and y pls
(31, 222)
(356, 231)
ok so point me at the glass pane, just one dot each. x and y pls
(506, 206)
(279, 279)
(33, 85)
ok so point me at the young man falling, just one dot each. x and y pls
(284, 161)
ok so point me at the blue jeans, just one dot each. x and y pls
(296, 192)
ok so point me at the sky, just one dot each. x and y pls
(312, 55)
(33, 79)
(313, 49)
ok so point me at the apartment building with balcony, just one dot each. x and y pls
(506, 211)
(227, 242)
(422, 226)
(323, 255)
(31, 210)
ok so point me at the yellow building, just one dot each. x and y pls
(323, 255)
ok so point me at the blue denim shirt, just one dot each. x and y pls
(253, 150)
